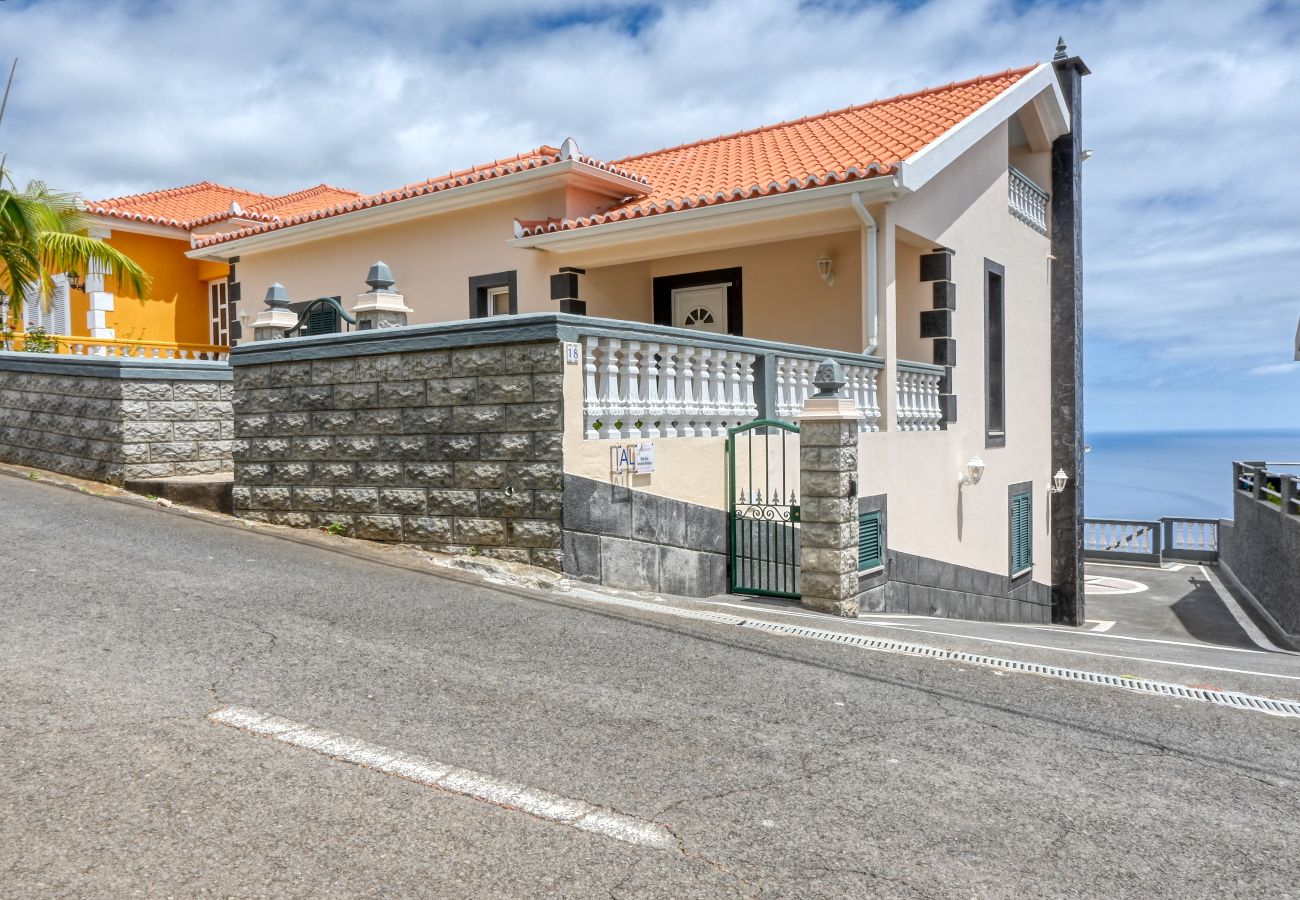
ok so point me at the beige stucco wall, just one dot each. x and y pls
(784, 297)
(431, 258)
(965, 209)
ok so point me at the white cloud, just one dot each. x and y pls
(1191, 242)
(1286, 368)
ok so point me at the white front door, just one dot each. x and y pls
(703, 308)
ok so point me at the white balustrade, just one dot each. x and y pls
(634, 389)
(917, 397)
(794, 385)
(1026, 200)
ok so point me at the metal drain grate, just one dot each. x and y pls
(1231, 699)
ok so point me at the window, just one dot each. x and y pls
(499, 301)
(871, 551)
(995, 407)
(1022, 531)
(493, 295)
(219, 312)
(57, 319)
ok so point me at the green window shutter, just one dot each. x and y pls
(871, 552)
(322, 319)
(1022, 532)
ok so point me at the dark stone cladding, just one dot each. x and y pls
(439, 439)
(1261, 547)
(921, 586)
(1067, 350)
(625, 538)
(115, 419)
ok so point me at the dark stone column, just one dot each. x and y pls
(1067, 348)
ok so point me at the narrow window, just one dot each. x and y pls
(219, 308)
(871, 551)
(499, 301)
(995, 405)
(1022, 532)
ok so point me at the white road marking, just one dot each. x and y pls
(915, 629)
(1100, 626)
(543, 805)
(1259, 638)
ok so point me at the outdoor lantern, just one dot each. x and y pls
(824, 268)
(973, 472)
(74, 281)
(1059, 480)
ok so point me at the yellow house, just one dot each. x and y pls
(188, 311)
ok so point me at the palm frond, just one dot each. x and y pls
(61, 252)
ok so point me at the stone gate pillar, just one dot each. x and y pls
(828, 485)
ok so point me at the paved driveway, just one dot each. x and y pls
(776, 766)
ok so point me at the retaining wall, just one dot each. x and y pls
(1261, 546)
(115, 419)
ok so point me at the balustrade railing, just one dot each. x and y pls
(74, 345)
(917, 397)
(1026, 200)
(635, 389)
(1136, 540)
(794, 385)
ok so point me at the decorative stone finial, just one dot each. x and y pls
(277, 297)
(380, 278)
(829, 378)
(1060, 48)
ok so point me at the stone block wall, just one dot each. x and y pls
(453, 448)
(625, 538)
(115, 419)
(1261, 547)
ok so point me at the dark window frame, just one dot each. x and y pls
(664, 286)
(995, 354)
(479, 285)
(1023, 489)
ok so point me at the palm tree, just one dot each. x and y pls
(44, 232)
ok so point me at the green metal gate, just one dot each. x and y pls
(763, 508)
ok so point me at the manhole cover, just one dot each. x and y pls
(1104, 584)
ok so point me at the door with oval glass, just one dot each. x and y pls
(703, 308)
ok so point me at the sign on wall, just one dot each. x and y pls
(636, 459)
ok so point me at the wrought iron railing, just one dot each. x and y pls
(1026, 200)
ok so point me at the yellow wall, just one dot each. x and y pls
(177, 308)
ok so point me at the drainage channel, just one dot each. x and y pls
(1230, 699)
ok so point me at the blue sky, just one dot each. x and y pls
(1192, 238)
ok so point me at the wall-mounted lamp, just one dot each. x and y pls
(75, 281)
(824, 268)
(1058, 482)
(973, 472)
(1086, 154)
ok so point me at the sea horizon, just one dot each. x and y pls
(1183, 472)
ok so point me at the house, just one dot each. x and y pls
(188, 310)
(928, 243)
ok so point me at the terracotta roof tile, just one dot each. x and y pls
(857, 142)
(322, 196)
(544, 155)
(181, 207)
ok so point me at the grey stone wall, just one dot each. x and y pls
(625, 538)
(456, 449)
(1262, 548)
(115, 419)
(930, 587)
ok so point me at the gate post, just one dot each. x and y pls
(828, 484)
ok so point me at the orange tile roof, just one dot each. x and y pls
(530, 159)
(857, 142)
(322, 196)
(181, 207)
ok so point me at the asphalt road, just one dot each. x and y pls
(781, 767)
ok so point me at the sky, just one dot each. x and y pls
(1192, 237)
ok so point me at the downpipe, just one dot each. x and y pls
(869, 270)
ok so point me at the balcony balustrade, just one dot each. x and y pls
(1026, 200)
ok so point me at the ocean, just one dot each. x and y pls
(1146, 475)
